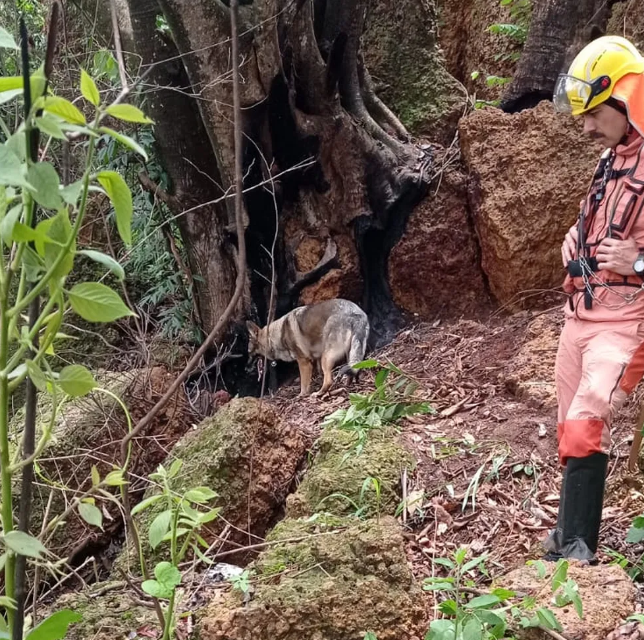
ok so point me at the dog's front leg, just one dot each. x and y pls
(306, 373)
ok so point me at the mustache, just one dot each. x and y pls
(596, 136)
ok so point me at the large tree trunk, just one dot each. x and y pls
(558, 31)
(325, 184)
(191, 164)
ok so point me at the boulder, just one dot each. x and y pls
(528, 173)
(435, 268)
(323, 579)
(338, 481)
(108, 613)
(248, 456)
(530, 373)
(607, 594)
(470, 46)
(426, 98)
(627, 19)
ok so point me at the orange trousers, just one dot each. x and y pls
(598, 365)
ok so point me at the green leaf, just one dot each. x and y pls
(96, 476)
(370, 635)
(63, 109)
(53, 233)
(209, 516)
(129, 113)
(473, 630)
(6, 40)
(144, 504)
(635, 534)
(55, 626)
(468, 566)
(45, 185)
(156, 590)
(91, 514)
(23, 233)
(24, 544)
(36, 375)
(126, 141)
(365, 364)
(539, 566)
(76, 381)
(11, 168)
(547, 619)
(11, 83)
(483, 602)
(159, 527)
(104, 259)
(459, 555)
(95, 302)
(561, 572)
(50, 126)
(8, 223)
(381, 376)
(72, 192)
(115, 478)
(445, 562)
(441, 630)
(6, 96)
(449, 607)
(200, 495)
(121, 197)
(89, 89)
(175, 467)
(167, 574)
(503, 594)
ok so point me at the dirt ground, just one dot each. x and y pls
(492, 386)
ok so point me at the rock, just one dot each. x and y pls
(345, 578)
(530, 374)
(528, 174)
(627, 19)
(435, 268)
(470, 46)
(606, 591)
(335, 481)
(248, 456)
(426, 98)
(111, 615)
(87, 432)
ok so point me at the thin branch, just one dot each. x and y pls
(117, 44)
(239, 285)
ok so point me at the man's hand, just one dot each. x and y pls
(617, 255)
(569, 246)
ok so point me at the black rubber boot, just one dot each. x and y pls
(554, 541)
(583, 499)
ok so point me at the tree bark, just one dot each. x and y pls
(335, 176)
(191, 164)
(559, 29)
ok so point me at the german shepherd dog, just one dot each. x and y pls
(327, 333)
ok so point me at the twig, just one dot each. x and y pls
(223, 320)
(117, 44)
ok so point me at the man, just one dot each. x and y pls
(600, 358)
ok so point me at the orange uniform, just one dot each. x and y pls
(601, 351)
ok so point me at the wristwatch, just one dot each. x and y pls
(638, 265)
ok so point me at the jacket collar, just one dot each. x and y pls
(631, 146)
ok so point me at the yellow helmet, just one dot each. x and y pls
(594, 73)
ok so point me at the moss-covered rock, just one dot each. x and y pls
(108, 614)
(338, 481)
(427, 99)
(88, 431)
(248, 456)
(342, 579)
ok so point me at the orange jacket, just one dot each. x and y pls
(620, 215)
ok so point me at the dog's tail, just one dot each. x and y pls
(359, 336)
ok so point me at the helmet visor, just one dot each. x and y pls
(571, 95)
